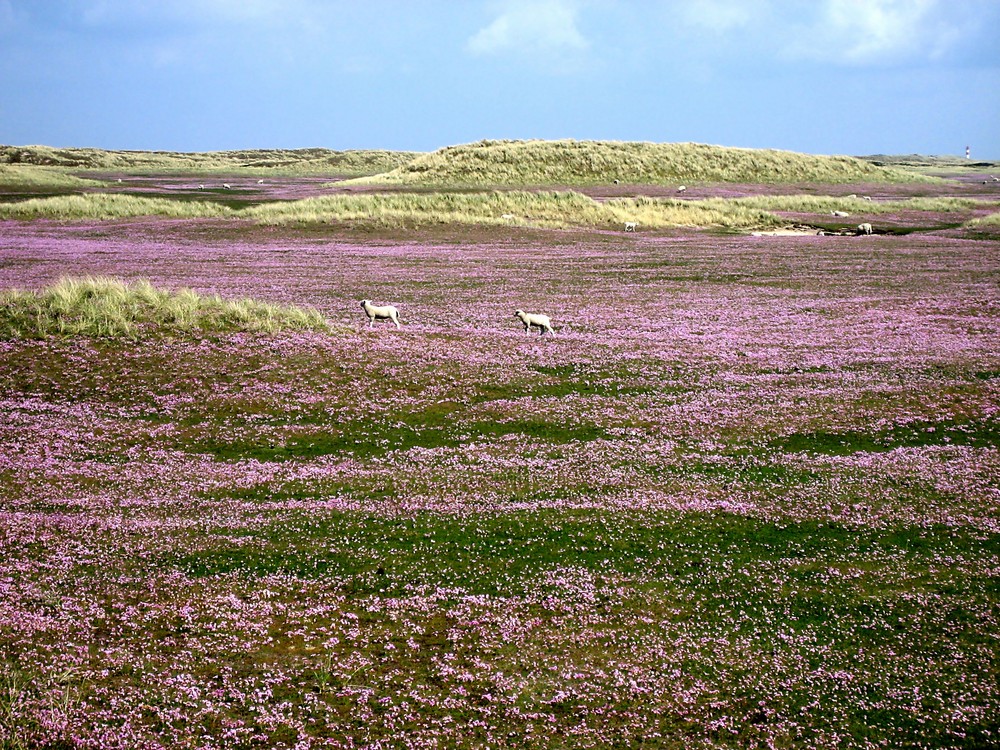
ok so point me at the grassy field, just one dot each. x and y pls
(746, 495)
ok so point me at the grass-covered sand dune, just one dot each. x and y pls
(107, 307)
(569, 162)
(251, 161)
(548, 209)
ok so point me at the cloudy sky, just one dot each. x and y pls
(821, 76)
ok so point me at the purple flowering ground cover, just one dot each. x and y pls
(747, 495)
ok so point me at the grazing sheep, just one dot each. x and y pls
(866, 197)
(201, 187)
(260, 182)
(617, 182)
(507, 217)
(682, 188)
(840, 214)
(865, 228)
(630, 226)
(226, 186)
(542, 322)
(374, 312)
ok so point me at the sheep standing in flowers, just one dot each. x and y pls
(630, 226)
(865, 228)
(376, 312)
(541, 322)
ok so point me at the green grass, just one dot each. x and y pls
(111, 308)
(993, 220)
(523, 163)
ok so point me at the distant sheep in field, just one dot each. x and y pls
(201, 187)
(866, 197)
(375, 312)
(226, 186)
(260, 182)
(541, 322)
(840, 214)
(617, 182)
(682, 188)
(507, 217)
(865, 228)
(630, 226)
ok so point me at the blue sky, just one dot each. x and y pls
(820, 76)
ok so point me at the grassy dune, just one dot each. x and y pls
(271, 161)
(25, 177)
(552, 209)
(518, 163)
(111, 308)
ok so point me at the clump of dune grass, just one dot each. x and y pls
(991, 220)
(568, 162)
(109, 206)
(111, 308)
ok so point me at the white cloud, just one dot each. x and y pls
(547, 29)
(863, 32)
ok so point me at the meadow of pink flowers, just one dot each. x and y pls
(746, 496)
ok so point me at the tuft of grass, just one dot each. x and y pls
(105, 307)
(993, 220)
(569, 162)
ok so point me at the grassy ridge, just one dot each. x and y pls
(111, 308)
(271, 161)
(521, 208)
(17, 177)
(520, 163)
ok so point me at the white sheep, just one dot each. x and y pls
(839, 214)
(375, 312)
(865, 228)
(507, 217)
(682, 188)
(630, 226)
(226, 186)
(541, 322)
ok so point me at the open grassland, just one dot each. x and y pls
(747, 495)
(105, 307)
(528, 163)
(254, 162)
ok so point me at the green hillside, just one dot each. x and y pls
(256, 161)
(532, 163)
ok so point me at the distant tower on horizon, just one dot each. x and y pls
(967, 152)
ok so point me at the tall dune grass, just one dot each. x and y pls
(533, 163)
(31, 177)
(110, 206)
(106, 307)
(552, 209)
